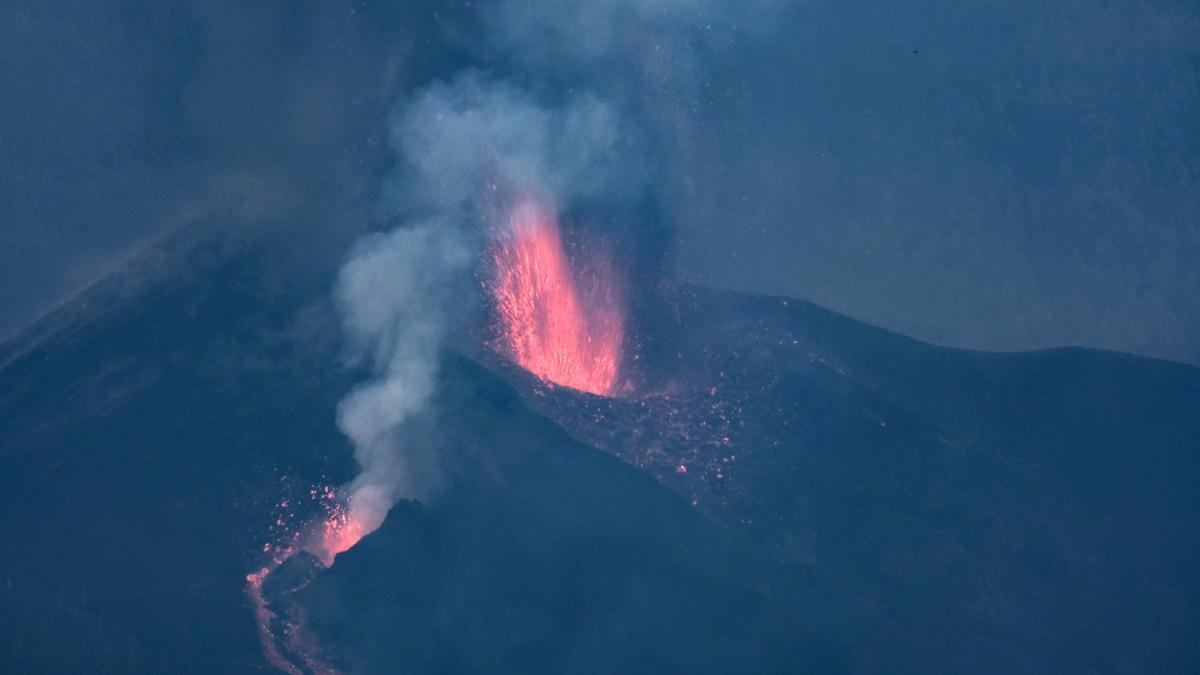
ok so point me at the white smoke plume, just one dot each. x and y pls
(390, 293)
(456, 140)
(395, 293)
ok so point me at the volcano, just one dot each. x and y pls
(785, 489)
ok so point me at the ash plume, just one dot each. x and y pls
(561, 128)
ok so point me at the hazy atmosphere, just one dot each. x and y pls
(599, 336)
(994, 175)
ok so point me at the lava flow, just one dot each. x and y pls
(562, 326)
(291, 649)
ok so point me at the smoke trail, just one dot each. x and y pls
(391, 293)
(589, 70)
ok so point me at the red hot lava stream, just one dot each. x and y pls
(335, 532)
(563, 326)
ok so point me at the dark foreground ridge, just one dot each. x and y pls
(789, 490)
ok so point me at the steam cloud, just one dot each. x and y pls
(567, 135)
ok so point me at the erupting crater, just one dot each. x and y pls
(562, 322)
(307, 538)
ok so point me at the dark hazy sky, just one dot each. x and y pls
(1000, 175)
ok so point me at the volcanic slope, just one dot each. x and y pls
(150, 429)
(850, 500)
(957, 511)
(159, 428)
(543, 555)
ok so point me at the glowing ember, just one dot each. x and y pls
(551, 324)
(286, 643)
(340, 532)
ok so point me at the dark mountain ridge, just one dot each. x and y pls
(852, 500)
(1034, 511)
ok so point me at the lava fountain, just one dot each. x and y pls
(563, 325)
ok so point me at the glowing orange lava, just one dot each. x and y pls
(563, 327)
(286, 642)
(263, 616)
(340, 531)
